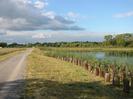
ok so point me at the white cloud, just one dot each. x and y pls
(20, 15)
(76, 16)
(122, 15)
(49, 14)
(17, 33)
(40, 5)
(2, 32)
(20, 19)
(50, 36)
(41, 36)
(17, 23)
(23, 1)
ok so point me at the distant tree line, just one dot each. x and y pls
(5, 45)
(56, 44)
(120, 40)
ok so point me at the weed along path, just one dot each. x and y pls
(50, 78)
(12, 75)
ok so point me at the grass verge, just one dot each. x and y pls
(8, 52)
(49, 78)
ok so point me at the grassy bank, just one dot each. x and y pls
(50, 78)
(8, 52)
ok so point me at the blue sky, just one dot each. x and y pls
(63, 20)
(100, 14)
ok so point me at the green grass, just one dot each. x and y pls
(88, 49)
(50, 78)
(8, 52)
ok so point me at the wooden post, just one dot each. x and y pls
(90, 68)
(123, 76)
(86, 66)
(116, 80)
(107, 77)
(80, 63)
(97, 71)
(126, 87)
(132, 82)
(101, 73)
(76, 61)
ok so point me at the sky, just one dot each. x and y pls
(26, 21)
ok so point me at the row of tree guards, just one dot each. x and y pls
(115, 76)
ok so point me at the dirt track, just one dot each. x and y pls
(12, 75)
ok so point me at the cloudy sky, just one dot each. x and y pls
(26, 21)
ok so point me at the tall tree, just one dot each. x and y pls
(108, 40)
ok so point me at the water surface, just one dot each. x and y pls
(121, 58)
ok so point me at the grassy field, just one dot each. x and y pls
(50, 78)
(8, 52)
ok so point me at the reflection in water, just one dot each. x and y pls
(122, 58)
(100, 55)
